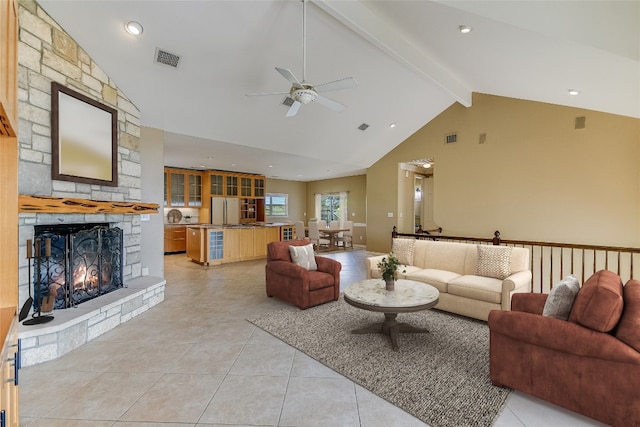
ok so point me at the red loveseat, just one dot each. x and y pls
(297, 285)
(589, 363)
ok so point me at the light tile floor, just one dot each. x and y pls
(195, 361)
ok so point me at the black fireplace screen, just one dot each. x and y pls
(74, 263)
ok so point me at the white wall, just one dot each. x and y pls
(152, 164)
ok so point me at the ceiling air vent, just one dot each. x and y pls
(166, 58)
(451, 138)
(288, 101)
(363, 126)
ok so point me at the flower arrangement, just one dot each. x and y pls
(388, 267)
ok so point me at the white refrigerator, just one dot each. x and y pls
(225, 211)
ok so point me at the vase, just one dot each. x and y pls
(390, 284)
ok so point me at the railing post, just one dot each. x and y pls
(496, 238)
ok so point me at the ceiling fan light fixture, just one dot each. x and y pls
(304, 96)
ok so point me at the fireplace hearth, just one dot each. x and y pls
(74, 263)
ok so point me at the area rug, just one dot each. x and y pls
(440, 377)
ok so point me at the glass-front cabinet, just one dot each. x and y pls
(178, 189)
(245, 186)
(258, 187)
(182, 188)
(195, 190)
(216, 184)
(232, 185)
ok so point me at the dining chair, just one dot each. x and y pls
(314, 235)
(346, 236)
(300, 233)
(336, 224)
(322, 224)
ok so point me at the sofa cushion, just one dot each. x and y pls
(561, 298)
(304, 256)
(478, 288)
(494, 261)
(599, 302)
(403, 250)
(319, 280)
(628, 330)
(439, 279)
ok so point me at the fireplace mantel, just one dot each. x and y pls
(47, 204)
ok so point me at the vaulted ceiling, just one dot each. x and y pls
(408, 57)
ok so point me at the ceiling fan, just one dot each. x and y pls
(302, 92)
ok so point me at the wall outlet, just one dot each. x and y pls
(145, 217)
(389, 214)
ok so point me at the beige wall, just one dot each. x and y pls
(355, 185)
(297, 192)
(535, 178)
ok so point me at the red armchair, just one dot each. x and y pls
(297, 285)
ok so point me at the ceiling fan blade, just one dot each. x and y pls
(289, 76)
(293, 110)
(330, 103)
(267, 93)
(346, 83)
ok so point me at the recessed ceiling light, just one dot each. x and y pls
(392, 125)
(270, 166)
(133, 27)
(465, 29)
(574, 92)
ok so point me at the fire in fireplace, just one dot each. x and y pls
(74, 263)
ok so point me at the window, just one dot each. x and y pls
(332, 207)
(276, 204)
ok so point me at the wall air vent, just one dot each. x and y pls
(288, 101)
(363, 126)
(166, 58)
(581, 122)
(451, 138)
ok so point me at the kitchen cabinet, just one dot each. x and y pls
(182, 188)
(258, 187)
(218, 245)
(216, 184)
(175, 238)
(9, 245)
(287, 232)
(232, 185)
(246, 186)
(195, 242)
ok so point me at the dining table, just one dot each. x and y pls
(332, 233)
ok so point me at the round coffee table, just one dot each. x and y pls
(408, 296)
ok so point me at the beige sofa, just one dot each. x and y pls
(472, 279)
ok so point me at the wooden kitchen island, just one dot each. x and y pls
(214, 244)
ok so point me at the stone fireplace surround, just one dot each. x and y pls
(73, 327)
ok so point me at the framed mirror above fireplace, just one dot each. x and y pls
(84, 138)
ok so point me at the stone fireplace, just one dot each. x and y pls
(74, 263)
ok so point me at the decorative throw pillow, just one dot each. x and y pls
(561, 297)
(599, 303)
(403, 250)
(628, 330)
(494, 261)
(304, 256)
